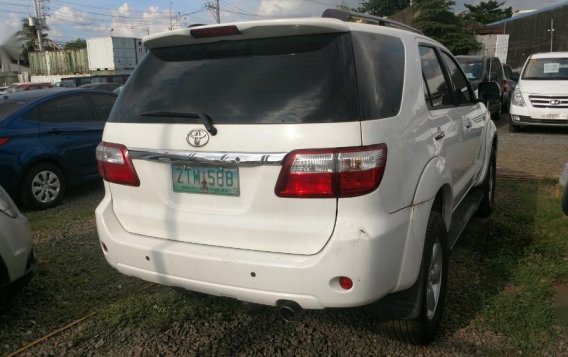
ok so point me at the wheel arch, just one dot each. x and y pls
(42, 160)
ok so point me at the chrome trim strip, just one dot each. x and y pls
(240, 159)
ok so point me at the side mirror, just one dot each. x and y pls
(515, 76)
(488, 91)
(564, 183)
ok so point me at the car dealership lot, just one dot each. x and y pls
(501, 295)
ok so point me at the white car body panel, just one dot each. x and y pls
(296, 248)
(15, 243)
(535, 92)
(257, 219)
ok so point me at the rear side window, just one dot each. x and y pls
(496, 71)
(437, 87)
(459, 82)
(294, 79)
(103, 105)
(380, 74)
(67, 110)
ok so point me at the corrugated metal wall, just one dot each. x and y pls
(61, 62)
(529, 34)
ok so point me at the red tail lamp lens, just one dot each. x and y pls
(215, 31)
(332, 173)
(4, 141)
(345, 282)
(115, 165)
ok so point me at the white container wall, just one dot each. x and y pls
(112, 53)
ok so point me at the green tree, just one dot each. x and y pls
(76, 44)
(487, 12)
(383, 7)
(28, 37)
(436, 19)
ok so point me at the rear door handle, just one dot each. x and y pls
(440, 134)
(54, 131)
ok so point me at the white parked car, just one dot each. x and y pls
(541, 95)
(16, 255)
(299, 163)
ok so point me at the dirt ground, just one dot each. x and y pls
(534, 152)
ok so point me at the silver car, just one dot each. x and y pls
(16, 255)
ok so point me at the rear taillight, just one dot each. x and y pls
(505, 86)
(218, 31)
(4, 140)
(331, 173)
(115, 164)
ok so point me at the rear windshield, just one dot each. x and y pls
(473, 69)
(294, 79)
(546, 69)
(8, 107)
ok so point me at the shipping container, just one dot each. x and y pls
(112, 53)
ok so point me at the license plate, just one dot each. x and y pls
(555, 116)
(206, 179)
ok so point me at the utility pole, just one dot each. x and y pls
(218, 12)
(171, 26)
(215, 10)
(551, 30)
(37, 24)
(41, 10)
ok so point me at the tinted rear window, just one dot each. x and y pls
(380, 73)
(295, 79)
(473, 69)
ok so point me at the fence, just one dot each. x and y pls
(59, 62)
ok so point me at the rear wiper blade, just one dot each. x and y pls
(205, 119)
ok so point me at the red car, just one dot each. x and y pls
(20, 87)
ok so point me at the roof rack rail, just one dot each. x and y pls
(350, 16)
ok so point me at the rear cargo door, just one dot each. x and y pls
(265, 97)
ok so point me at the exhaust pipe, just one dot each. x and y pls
(289, 310)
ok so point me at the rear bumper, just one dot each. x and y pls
(370, 256)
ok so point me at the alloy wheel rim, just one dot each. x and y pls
(46, 186)
(434, 284)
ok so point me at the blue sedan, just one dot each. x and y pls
(48, 140)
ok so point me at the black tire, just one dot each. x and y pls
(488, 188)
(423, 330)
(43, 186)
(496, 115)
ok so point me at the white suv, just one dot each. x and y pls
(541, 95)
(302, 163)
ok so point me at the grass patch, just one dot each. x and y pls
(522, 258)
(507, 276)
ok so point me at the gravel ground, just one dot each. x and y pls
(134, 318)
(535, 152)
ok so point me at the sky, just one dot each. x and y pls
(71, 19)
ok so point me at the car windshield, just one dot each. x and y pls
(471, 68)
(546, 69)
(8, 107)
(294, 79)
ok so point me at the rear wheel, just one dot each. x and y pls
(433, 275)
(43, 186)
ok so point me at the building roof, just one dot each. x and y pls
(545, 9)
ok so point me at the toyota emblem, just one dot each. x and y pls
(554, 102)
(197, 138)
